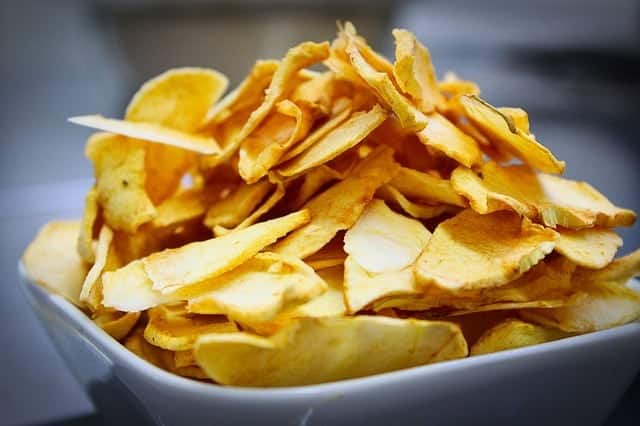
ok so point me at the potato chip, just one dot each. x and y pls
(552, 200)
(339, 140)
(171, 327)
(182, 207)
(384, 241)
(232, 210)
(279, 131)
(423, 186)
(89, 217)
(518, 117)
(591, 247)
(619, 271)
(312, 350)
(199, 261)
(178, 98)
(606, 305)
(102, 252)
(511, 334)
(328, 304)
(116, 324)
(52, 261)
(339, 207)
(129, 289)
(150, 132)
(330, 255)
(394, 197)
(414, 72)
(184, 358)
(312, 182)
(444, 136)
(453, 86)
(501, 130)
(165, 167)
(260, 289)
(119, 168)
(472, 251)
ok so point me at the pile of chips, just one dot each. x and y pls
(317, 226)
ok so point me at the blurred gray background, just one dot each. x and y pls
(573, 64)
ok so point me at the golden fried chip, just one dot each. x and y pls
(620, 271)
(52, 261)
(312, 350)
(444, 136)
(452, 86)
(606, 305)
(472, 251)
(199, 261)
(590, 247)
(330, 255)
(501, 129)
(259, 289)
(129, 289)
(383, 240)
(339, 140)
(328, 304)
(116, 324)
(102, 252)
(89, 216)
(518, 116)
(165, 166)
(423, 186)
(552, 200)
(391, 195)
(313, 181)
(338, 207)
(182, 207)
(279, 131)
(151, 132)
(414, 72)
(184, 358)
(119, 168)
(171, 327)
(232, 210)
(513, 333)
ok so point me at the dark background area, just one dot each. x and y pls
(574, 65)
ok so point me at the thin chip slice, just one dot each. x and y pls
(171, 327)
(552, 200)
(590, 247)
(329, 256)
(182, 207)
(232, 210)
(339, 140)
(444, 136)
(102, 252)
(260, 289)
(472, 251)
(199, 261)
(52, 261)
(414, 71)
(383, 240)
(151, 132)
(501, 129)
(513, 333)
(394, 197)
(129, 289)
(328, 304)
(313, 181)
(423, 186)
(338, 207)
(89, 216)
(117, 324)
(119, 168)
(312, 350)
(184, 358)
(620, 271)
(518, 116)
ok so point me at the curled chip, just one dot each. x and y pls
(116, 324)
(52, 261)
(91, 280)
(420, 211)
(313, 350)
(444, 136)
(591, 247)
(89, 217)
(422, 186)
(513, 333)
(259, 289)
(384, 241)
(619, 271)
(238, 205)
(501, 129)
(328, 304)
(472, 251)
(552, 200)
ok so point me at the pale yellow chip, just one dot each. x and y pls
(328, 256)
(328, 304)
(423, 186)
(238, 205)
(51, 260)
(199, 261)
(590, 247)
(339, 140)
(117, 324)
(338, 207)
(472, 251)
(279, 131)
(606, 305)
(445, 137)
(151, 132)
(171, 327)
(513, 333)
(419, 211)
(453, 86)
(119, 168)
(552, 200)
(619, 271)
(383, 240)
(89, 216)
(129, 289)
(312, 350)
(184, 206)
(414, 71)
(518, 116)
(91, 280)
(501, 129)
(260, 289)
(314, 180)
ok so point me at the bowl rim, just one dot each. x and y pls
(118, 353)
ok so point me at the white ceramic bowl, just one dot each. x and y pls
(577, 380)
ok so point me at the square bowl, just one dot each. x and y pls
(576, 380)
